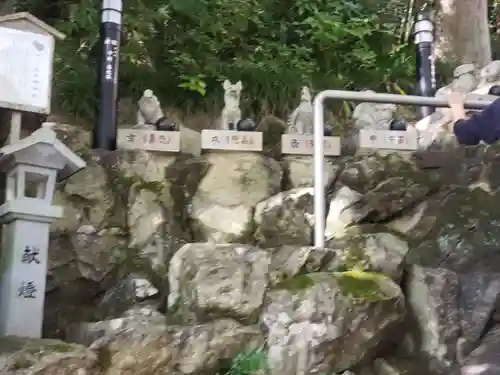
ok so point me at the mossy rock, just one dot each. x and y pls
(362, 285)
(353, 284)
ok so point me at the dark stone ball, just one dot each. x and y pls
(398, 125)
(328, 131)
(166, 125)
(246, 125)
(494, 90)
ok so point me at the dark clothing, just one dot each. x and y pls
(482, 126)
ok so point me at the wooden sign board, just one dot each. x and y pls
(230, 140)
(303, 144)
(149, 140)
(388, 140)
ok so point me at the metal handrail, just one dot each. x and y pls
(356, 96)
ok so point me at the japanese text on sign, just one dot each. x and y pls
(232, 139)
(303, 144)
(111, 50)
(30, 255)
(388, 140)
(149, 138)
(27, 290)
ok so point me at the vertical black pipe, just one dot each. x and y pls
(426, 72)
(104, 135)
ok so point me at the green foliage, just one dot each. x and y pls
(184, 49)
(246, 363)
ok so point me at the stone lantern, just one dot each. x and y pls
(32, 166)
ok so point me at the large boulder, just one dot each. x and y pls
(285, 219)
(329, 322)
(157, 348)
(222, 207)
(212, 281)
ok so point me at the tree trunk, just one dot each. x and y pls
(463, 34)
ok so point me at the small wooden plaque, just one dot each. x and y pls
(230, 140)
(149, 140)
(303, 144)
(388, 140)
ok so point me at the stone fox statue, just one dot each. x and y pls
(231, 113)
(301, 119)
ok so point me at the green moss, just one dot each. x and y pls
(297, 283)
(360, 285)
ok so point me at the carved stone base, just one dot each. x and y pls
(388, 140)
(149, 140)
(230, 140)
(303, 144)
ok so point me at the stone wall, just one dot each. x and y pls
(173, 264)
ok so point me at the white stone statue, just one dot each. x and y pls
(301, 119)
(373, 115)
(231, 113)
(149, 109)
(490, 74)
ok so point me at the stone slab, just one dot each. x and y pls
(303, 144)
(231, 140)
(388, 140)
(149, 140)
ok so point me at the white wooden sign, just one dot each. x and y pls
(25, 70)
(149, 140)
(300, 144)
(230, 140)
(388, 140)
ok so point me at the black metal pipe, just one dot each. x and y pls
(104, 135)
(426, 77)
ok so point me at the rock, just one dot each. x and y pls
(145, 213)
(395, 366)
(299, 171)
(341, 212)
(45, 357)
(130, 290)
(373, 116)
(465, 235)
(222, 207)
(390, 198)
(272, 128)
(190, 141)
(329, 322)
(141, 165)
(154, 348)
(485, 359)
(432, 296)
(379, 252)
(285, 219)
(478, 294)
(81, 266)
(86, 333)
(208, 281)
(89, 191)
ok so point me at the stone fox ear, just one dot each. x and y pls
(238, 86)
(226, 85)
